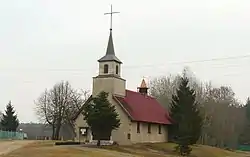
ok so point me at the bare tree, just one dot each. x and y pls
(58, 106)
(217, 104)
(77, 98)
(163, 87)
(46, 110)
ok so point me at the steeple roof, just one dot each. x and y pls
(110, 52)
(143, 84)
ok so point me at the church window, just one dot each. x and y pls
(138, 127)
(129, 136)
(149, 128)
(116, 69)
(159, 128)
(106, 68)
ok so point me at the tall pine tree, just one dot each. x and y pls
(248, 109)
(186, 117)
(101, 117)
(9, 120)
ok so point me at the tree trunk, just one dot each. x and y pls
(53, 132)
(57, 131)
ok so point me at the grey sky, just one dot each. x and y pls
(45, 41)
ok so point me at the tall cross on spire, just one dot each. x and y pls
(111, 13)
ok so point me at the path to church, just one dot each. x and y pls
(9, 146)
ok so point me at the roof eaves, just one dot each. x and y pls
(81, 109)
(107, 58)
(126, 111)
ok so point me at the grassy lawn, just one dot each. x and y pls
(48, 149)
(166, 149)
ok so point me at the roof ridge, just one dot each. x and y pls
(149, 96)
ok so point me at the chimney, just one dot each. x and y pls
(143, 89)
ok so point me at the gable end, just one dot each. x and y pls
(82, 108)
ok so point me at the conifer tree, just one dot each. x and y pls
(101, 117)
(186, 117)
(9, 120)
(248, 109)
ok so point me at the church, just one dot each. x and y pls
(143, 119)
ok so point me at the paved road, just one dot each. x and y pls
(9, 146)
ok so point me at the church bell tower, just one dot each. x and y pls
(109, 77)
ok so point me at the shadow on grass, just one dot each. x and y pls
(145, 150)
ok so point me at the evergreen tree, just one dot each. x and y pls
(101, 117)
(9, 120)
(186, 117)
(248, 109)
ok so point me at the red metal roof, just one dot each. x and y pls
(143, 108)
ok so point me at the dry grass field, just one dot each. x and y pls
(166, 150)
(48, 149)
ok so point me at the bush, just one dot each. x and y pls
(115, 143)
(87, 141)
(67, 143)
(185, 150)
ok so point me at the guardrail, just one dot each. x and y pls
(11, 135)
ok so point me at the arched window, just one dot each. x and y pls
(106, 68)
(116, 69)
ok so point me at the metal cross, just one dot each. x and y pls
(111, 13)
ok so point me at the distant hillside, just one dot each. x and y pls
(35, 129)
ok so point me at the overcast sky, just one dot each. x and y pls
(46, 41)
